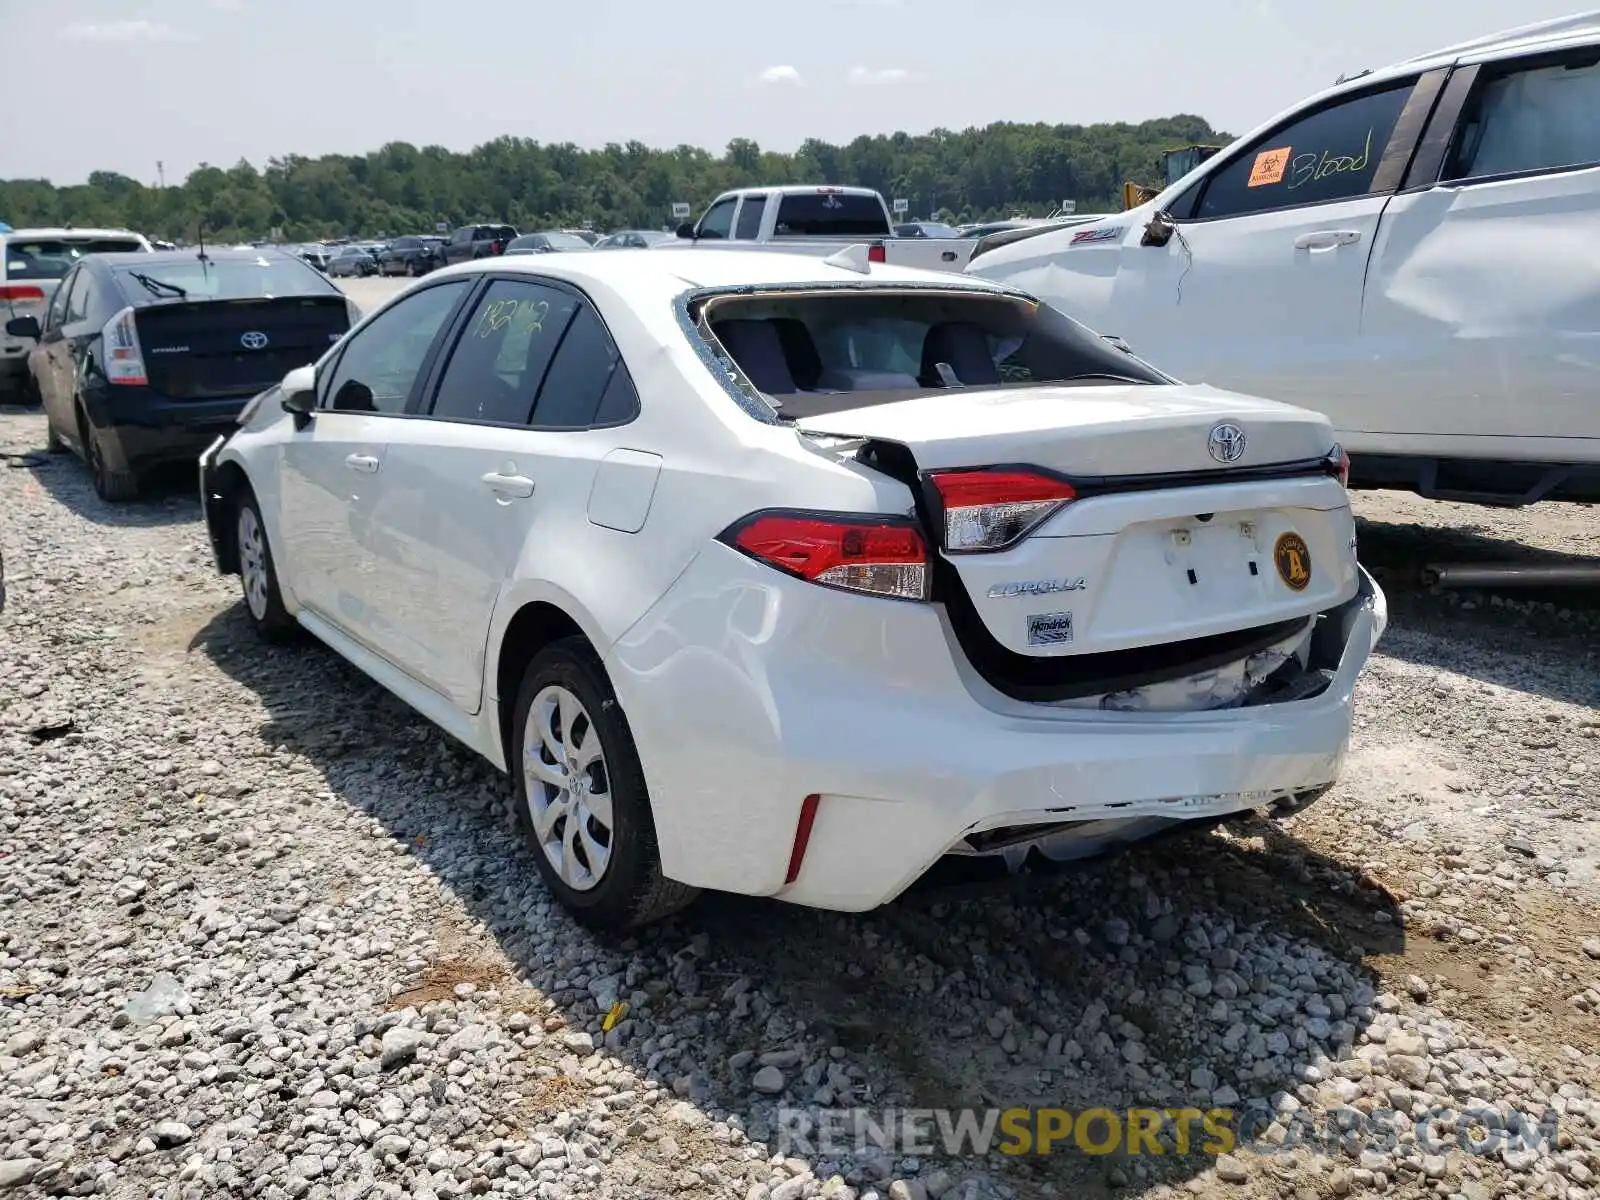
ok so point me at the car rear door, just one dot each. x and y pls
(332, 472)
(1483, 297)
(1259, 288)
(522, 412)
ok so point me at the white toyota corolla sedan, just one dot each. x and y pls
(790, 576)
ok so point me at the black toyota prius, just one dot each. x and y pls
(143, 359)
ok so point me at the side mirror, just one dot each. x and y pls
(299, 391)
(23, 327)
(686, 230)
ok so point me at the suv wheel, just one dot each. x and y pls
(581, 796)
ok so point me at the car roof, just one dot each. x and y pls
(680, 270)
(1578, 25)
(69, 233)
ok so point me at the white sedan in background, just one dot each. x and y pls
(790, 576)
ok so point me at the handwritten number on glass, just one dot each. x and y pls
(528, 315)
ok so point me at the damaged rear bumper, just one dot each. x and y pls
(781, 691)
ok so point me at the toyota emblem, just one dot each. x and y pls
(1226, 443)
(256, 340)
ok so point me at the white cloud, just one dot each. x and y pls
(124, 31)
(879, 75)
(782, 74)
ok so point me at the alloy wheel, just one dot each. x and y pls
(568, 787)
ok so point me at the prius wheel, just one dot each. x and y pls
(581, 796)
(258, 576)
(113, 486)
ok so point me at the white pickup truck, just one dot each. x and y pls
(808, 219)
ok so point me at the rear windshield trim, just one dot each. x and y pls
(688, 305)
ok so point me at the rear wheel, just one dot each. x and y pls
(109, 485)
(258, 574)
(581, 796)
(411, 269)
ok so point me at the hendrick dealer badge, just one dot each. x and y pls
(1049, 629)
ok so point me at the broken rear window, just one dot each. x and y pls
(817, 352)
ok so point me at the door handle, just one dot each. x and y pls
(364, 463)
(509, 485)
(1327, 239)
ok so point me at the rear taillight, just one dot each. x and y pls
(124, 358)
(991, 509)
(1339, 464)
(878, 556)
(21, 293)
(496, 248)
(876, 253)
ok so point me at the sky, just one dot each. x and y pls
(122, 84)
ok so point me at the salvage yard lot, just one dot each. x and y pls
(380, 999)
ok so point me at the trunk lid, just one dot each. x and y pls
(1163, 546)
(1118, 430)
(209, 349)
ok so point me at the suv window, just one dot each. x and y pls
(52, 258)
(502, 352)
(718, 221)
(380, 364)
(587, 372)
(56, 313)
(1530, 117)
(1330, 154)
(750, 217)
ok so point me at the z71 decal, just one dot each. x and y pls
(1086, 237)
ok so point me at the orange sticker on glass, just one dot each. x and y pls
(1269, 167)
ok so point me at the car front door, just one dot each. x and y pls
(523, 409)
(1483, 297)
(332, 473)
(1258, 288)
(45, 354)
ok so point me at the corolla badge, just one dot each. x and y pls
(1226, 442)
(1036, 587)
(254, 340)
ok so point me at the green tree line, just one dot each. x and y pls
(976, 174)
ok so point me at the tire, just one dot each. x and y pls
(612, 885)
(258, 573)
(115, 487)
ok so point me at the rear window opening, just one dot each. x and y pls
(820, 352)
(263, 278)
(52, 258)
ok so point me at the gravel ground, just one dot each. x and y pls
(267, 933)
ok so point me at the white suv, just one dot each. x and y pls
(33, 262)
(1412, 252)
(790, 576)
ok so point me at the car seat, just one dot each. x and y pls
(758, 349)
(964, 348)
